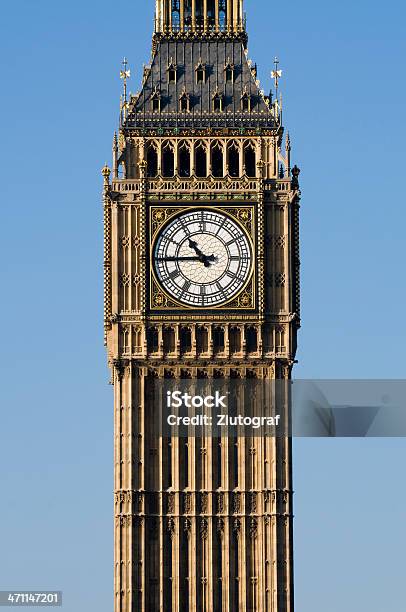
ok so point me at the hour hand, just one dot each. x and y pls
(208, 260)
(193, 245)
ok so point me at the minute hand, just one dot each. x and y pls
(179, 259)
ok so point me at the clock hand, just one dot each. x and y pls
(193, 245)
(179, 259)
(205, 259)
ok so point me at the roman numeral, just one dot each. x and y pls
(185, 229)
(186, 286)
(221, 289)
(221, 226)
(174, 274)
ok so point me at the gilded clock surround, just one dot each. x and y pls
(219, 538)
(244, 216)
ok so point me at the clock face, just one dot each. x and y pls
(202, 258)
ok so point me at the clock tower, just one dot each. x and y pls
(201, 265)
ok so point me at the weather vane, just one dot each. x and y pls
(276, 75)
(125, 74)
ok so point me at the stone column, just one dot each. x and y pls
(194, 15)
(182, 15)
(229, 15)
(210, 339)
(217, 15)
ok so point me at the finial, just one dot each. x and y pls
(106, 175)
(288, 148)
(115, 155)
(295, 177)
(276, 75)
(125, 74)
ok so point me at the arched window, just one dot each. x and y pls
(172, 72)
(126, 340)
(218, 340)
(175, 14)
(200, 73)
(200, 160)
(153, 340)
(156, 101)
(184, 160)
(245, 103)
(199, 11)
(280, 340)
(229, 70)
(217, 161)
(251, 339)
(184, 102)
(233, 159)
(223, 15)
(250, 161)
(202, 340)
(217, 103)
(211, 12)
(188, 12)
(185, 340)
(169, 340)
(137, 339)
(152, 161)
(168, 161)
(121, 170)
(235, 340)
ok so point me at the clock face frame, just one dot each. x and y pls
(202, 258)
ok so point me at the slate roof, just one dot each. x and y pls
(186, 55)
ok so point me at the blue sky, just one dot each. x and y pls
(344, 106)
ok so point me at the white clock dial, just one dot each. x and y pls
(202, 258)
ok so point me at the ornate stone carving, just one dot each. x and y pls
(221, 526)
(237, 503)
(171, 527)
(204, 500)
(237, 527)
(204, 529)
(125, 279)
(187, 527)
(187, 503)
(220, 503)
(171, 503)
(253, 529)
(124, 520)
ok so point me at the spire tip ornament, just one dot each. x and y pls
(276, 74)
(125, 73)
